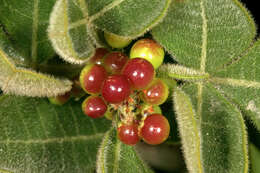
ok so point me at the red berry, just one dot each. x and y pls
(156, 93)
(155, 129)
(94, 107)
(99, 54)
(92, 78)
(128, 134)
(114, 62)
(140, 72)
(116, 89)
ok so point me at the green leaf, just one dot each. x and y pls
(240, 81)
(179, 72)
(223, 136)
(204, 34)
(25, 82)
(73, 23)
(26, 23)
(189, 131)
(114, 156)
(254, 158)
(36, 136)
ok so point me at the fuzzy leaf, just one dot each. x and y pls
(189, 131)
(114, 156)
(73, 23)
(223, 135)
(240, 81)
(25, 82)
(179, 72)
(205, 34)
(36, 136)
(26, 24)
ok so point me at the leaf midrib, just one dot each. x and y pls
(53, 140)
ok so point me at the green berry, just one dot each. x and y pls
(149, 50)
(116, 41)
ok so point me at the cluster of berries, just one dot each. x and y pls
(127, 91)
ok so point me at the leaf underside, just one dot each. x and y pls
(114, 156)
(39, 137)
(74, 23)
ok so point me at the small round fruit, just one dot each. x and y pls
(149, 50)
(116, 41)
(155, 129)
(61, 99)
(156, 93)
(128, 134)
(92, 78)
(114, 62)
(99, 54)
(94, 107)
(140, 72)
(116, 89)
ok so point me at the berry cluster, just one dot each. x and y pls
(127, 91)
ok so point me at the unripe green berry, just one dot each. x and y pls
(116, 41)
(149, 50)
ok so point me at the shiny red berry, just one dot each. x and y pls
(128, 134)
(61, 99)
(116, 89)
(114, 62)
(92, 78)
(94, 107)
(140, 72)
(155, 129)
(99, 54)
(156, 93)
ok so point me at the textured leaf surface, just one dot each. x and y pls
(114, 156)
(189, 131)
(222, 132)
(179, 72)
(26, 23)
(25, 82)
(240, 81)
(205, 34)
(36, 136)
(73, 23)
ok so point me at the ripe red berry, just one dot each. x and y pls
(149, 50)
(99, 54)
(156, 93)
(114, 62)
(155, 129)
(140, 72)
(94, 106)
(128, 134)
(116, 89)
(92, 78)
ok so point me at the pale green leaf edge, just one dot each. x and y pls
(189, 132)
(40, 85)
(180, 72)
